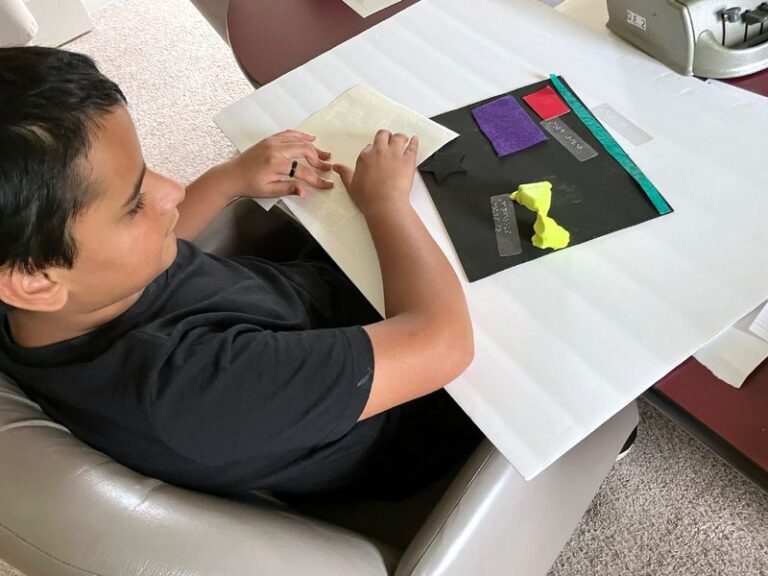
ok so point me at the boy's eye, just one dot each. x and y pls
(139, 205)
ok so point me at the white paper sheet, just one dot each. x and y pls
(760, 324)
(367, 7)
(564, 342)
(735, 353)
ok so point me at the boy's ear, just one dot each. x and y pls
(35, 291)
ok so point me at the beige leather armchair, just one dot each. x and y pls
(68, 510)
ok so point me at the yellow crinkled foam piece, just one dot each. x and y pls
(537, 197)
(549, 234)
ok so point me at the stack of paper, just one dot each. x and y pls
(735, 353)
(760, 325)
(367, 7)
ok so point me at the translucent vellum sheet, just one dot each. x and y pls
(345, 127)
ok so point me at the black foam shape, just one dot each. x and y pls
(443, 164)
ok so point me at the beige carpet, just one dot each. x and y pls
(176, 73)
(669, 508)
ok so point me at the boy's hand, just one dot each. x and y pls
(262, 169)
(384, 173)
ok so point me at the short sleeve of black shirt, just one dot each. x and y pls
(243, 389)
(228, 375)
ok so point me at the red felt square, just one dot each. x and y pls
(546, 103)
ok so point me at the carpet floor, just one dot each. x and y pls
(669, 508)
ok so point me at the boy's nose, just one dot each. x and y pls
(181, 193)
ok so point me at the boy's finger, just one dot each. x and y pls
(345, 172)
(399, 139)
(323, 157)
(297, 134)
(382, 138)
(287, 188)
(320, 164)
(310, 177)
(413, 146)
(306, 151)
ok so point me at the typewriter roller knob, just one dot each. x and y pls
(731, 14)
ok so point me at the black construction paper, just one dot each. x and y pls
(590, 199)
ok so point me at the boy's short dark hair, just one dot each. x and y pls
(49, 101)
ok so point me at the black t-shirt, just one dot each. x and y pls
(229, 375)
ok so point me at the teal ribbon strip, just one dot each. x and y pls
(612, 146)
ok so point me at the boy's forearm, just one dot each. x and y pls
(205, 198)
(418, 279)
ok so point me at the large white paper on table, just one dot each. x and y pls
(564, 342)
(735, 353)
(367, 7)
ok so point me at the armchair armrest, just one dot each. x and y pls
(492, 521)
(67, 509)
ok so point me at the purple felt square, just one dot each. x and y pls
(507, 125)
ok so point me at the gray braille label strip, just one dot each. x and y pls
(505, 225)
(572, 142)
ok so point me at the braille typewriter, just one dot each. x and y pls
(706, 38)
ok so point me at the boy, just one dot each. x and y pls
(224, 375)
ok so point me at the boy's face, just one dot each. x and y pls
(125, 237)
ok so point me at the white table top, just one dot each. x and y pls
(564, 342)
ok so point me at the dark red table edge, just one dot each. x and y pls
(364, 24)
(708, 437)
